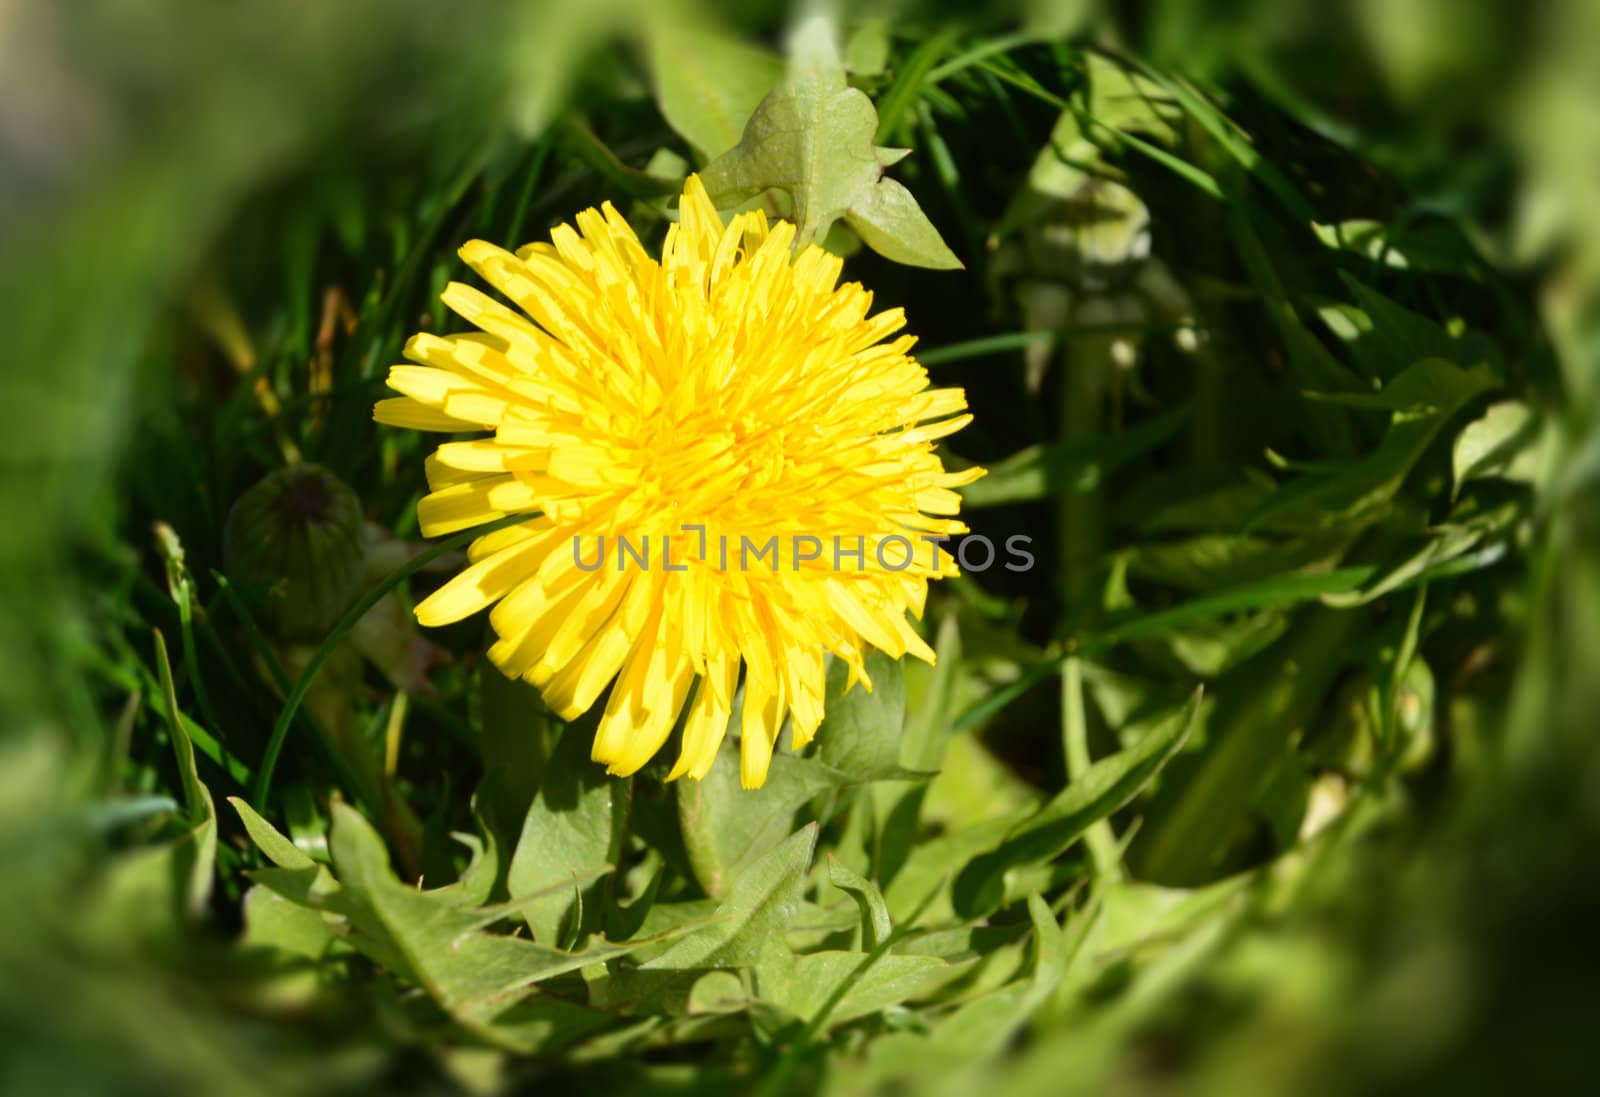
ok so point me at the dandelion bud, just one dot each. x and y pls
(300, 530)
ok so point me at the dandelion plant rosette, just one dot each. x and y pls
(730, 392)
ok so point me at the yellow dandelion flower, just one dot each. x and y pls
(702, 405)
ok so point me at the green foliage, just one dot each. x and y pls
(1094, 795)
(1288, 405)
(813, 138)
(709, 82)
(858, 742)
(573, 831)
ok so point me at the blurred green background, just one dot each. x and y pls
(219, 222)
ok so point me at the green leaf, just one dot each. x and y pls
(1395, 337)
(875, 923)
(196, 852)
(1502, 442)
(887, 218)
(572, 829)
(518, 735)
(626, 922)
(274, 922)
(747, 929)
(860, 731)
(542, 1025)
(828, 988)
(472, 974)
(1434, 247)
(866, 53)
(1105, 787)
(1427, 387)
(869, 983)
(985, 1027)
(724, 825)
(195, 797)
(279, 850)
(1137, 914)
(477, 880)
(896, 807)
(1427, 395)
(1221, 561)
(974, 786)
(1445, 550)
(1187, 827)
(1311, 364)
(707, 80)
(928, 721)
(644, 185)
(750, 923)
(932, 865)
(718, 992)
(1209, 649)
(624, 990)
(150, 893)
(813, 137)
(287, 909)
